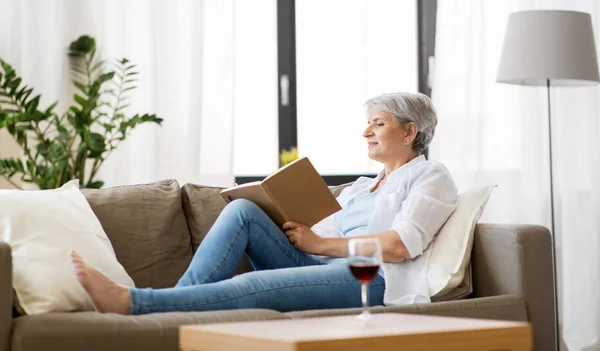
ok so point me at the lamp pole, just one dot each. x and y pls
(552, 216)
(550, 158)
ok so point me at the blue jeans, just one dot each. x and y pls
(285, 278)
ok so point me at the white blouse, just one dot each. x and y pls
(415, 201)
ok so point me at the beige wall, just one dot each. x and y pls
(8, 148)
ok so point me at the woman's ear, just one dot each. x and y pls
(411, 132)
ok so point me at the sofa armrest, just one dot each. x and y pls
(6, 295)
(517, 260)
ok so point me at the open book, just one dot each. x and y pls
(296, 192)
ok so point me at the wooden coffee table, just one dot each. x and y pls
(389, 331)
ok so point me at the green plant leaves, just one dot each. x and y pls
(80, 100)
(83, 45)
(97, 145)
(137, 119)
(14, 85)
(81, 156)
(80, 86)
(11, 166)
(30, 167)
(32, 105)
(50, 108)
(95, 185)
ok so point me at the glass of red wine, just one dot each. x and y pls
(364, 259)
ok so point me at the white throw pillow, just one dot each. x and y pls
(41, 226)
(451, 250)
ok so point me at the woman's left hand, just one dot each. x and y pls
(302, 237)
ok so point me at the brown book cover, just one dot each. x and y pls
(295, 192)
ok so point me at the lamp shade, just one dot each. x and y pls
(554, 45)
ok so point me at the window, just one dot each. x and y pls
(255, 77)
(305, 68)
(346, 52)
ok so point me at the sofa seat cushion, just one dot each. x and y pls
(147, 228)
(501, 307)
(96, 331)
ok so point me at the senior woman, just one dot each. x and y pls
(403, 207)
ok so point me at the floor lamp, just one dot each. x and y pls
(549, 48)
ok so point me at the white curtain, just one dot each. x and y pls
(185, 52)
(490, 133)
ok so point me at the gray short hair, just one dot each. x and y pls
(409, 107)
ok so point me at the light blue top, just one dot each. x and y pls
(353, 219)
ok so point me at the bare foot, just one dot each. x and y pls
(107, 295)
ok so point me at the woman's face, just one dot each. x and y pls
(385, 136)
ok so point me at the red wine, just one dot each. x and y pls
(364, 271)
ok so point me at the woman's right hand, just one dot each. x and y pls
(302, 237)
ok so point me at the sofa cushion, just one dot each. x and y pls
(337, 189)
(451, 250)
(202, 205)
(41, 226)
(92, 331)
(462, 291)
(147, 228)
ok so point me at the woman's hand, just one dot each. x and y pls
(302, 237)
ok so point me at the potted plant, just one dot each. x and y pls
(287, 156)
(74, 145)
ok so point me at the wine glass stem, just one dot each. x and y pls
(363, 293)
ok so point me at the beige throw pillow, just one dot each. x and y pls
(147, 228)
(202, 205)
(41, 227)
(451, 250)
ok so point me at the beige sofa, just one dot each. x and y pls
(155, 228)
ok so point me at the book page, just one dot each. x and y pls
(301, 193)
(254, 192)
